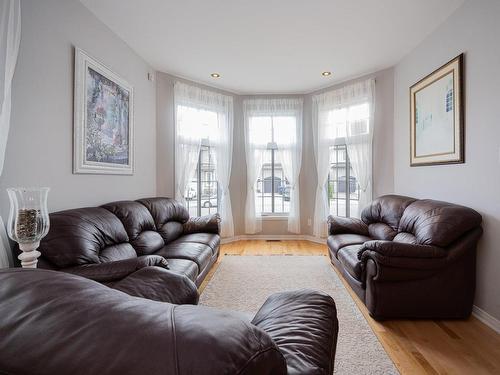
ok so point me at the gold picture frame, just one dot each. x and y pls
(437, 116)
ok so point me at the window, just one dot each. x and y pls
(202, 192)
(343, 135)
(272, 190)
(203, 152)
(342, 185)
(202, 195)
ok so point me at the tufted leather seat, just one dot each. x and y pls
(341, 240)
(348, 257)
(209, 239)
(407, 258)
(184, 266)
(112, 242)
(195, 252)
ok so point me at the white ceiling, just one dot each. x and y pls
(272, 46)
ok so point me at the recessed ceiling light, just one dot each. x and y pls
(215, 75)
(326, 74)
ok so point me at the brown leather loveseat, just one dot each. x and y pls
(147, 248)
(409, 258)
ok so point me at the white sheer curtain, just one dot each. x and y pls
(288, 138)
(203, 115)
(10, 36)
(344, 115)
(359, 142)
(275, 122)
(323, 139)
(223, 144)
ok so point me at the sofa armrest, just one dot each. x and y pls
(112, 271)
(304, 326)
(340, 225)
(401, 250)
(159, 284)
(402, 262)
(202, 224)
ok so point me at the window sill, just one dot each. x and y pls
(274, 217)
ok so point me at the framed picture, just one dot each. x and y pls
(103, 119)
(437, 116)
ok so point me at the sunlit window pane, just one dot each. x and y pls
(272, 190)
(342, 185)
(284, 130)
(260, 130)
(358, 119)
(194, 122)
(202, 195)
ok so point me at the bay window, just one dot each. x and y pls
(342, 185)
(196, 126)
(273, 144)
(343, 133)
(203, 152)
(272, 189)
(202, 194)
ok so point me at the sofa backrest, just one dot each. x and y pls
(114, 231)
(383, 214)
(437, 223)
(85, 236)
(418, 221)
(168, 215)
(139, 224)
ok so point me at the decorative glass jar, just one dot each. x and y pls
(28, 221)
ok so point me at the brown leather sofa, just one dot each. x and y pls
(58, 323)
(409, 258)
(147, 248)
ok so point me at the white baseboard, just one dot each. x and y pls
(273, 237)
(486, 318)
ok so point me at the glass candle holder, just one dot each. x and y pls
(28, 221)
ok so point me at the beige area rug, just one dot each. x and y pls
(242, 283)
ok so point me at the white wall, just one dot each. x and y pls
(382, 163)
(473, 29)
(39, 148)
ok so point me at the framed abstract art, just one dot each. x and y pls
(103, 119)
(437, 116)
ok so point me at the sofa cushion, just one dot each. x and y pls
(139, 224)
(85, 236)
(438, 223)
(168, 215)
(209, 239)
(197, 252)
(159, 284)
(348, 256)
(184, 266)
(338, 241)
(381, 231)
(405, 237)
(387, 209)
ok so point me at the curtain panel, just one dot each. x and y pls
(10, 37)
(204, 115)
(284, 132)
(343, 114)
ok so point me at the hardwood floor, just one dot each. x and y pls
(416, 347)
